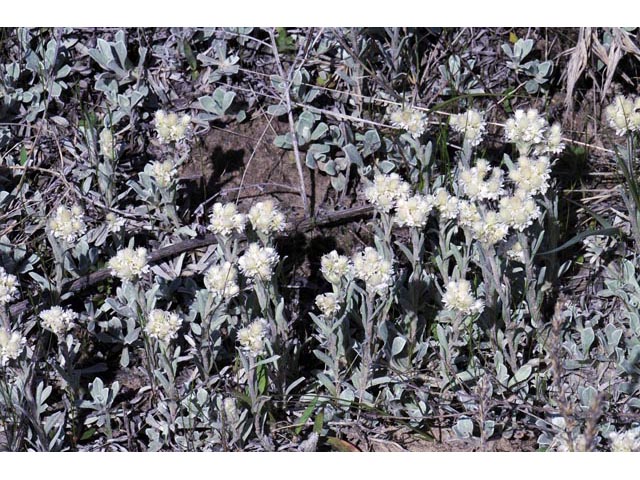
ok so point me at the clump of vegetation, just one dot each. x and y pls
(420, 261)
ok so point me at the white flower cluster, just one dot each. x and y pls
(253, 337)
(489, 229)
(447, 205)
(106, 144)
(163, 325)
(473, 184)
(385, 190)
(225, 219)
(335, 268)
(170, 127)
(257, 262)
(470, 123)
(164, 173)
(265, 218)
(328, 303)
(628, 441)
(11, 344)
(129, 263)
(409, 119)
(372, 268)
(553, 141)
(525, 129)
(8, 287)
(623, 114)
(531, 176)
(458, 297)
(530, 131)
(221, 281)
(518, 211)
(58, 320)
(114, 224)
(67, 223)
(413, 211)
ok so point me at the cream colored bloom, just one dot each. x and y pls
(623, 114)
(385, 190)
(335, 267)
(114, 223)
(129, 263)
(221, 281)
(11, 345)
(372, 268)
(107, 147)
(458, 297)
(413, 211)
(628, 441)
(531, 176)
(58, 320)
(8, 287)
(473, 184)
(170, 127)
(328, 303)
(471, 123)
(67, 224)
(265, 218)
(518, 211)
(225, 219)
(446, 204)
(409, 119)
(253, 338)
(489, 230)
(163, 325)
(525, 129)
(164, 173)
(258, 262)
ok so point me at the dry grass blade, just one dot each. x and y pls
(577, 64)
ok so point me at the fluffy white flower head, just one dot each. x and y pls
(413, 211)
(221, 281)
(58, 320)
(628, 441)
(525, 129)
(409, 119)
(470, 123)
(458, 297)
(446, 204)
(164, 173)
(335, 267)
(328, 303)
(225, 219)
(474, 185)
(252, 338)
(114, 223)
(265, 218)
(489, 230)
(67, 224)
(258, 262)
(8, 287)
(129, 263)
(518, 211)
(11, 344)
(531, 176)
(163, 325)
(623, 114)
(373, 269)
(170, 127)
(385, 190)
(107, 147)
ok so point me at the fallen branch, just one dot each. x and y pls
(302, 225)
